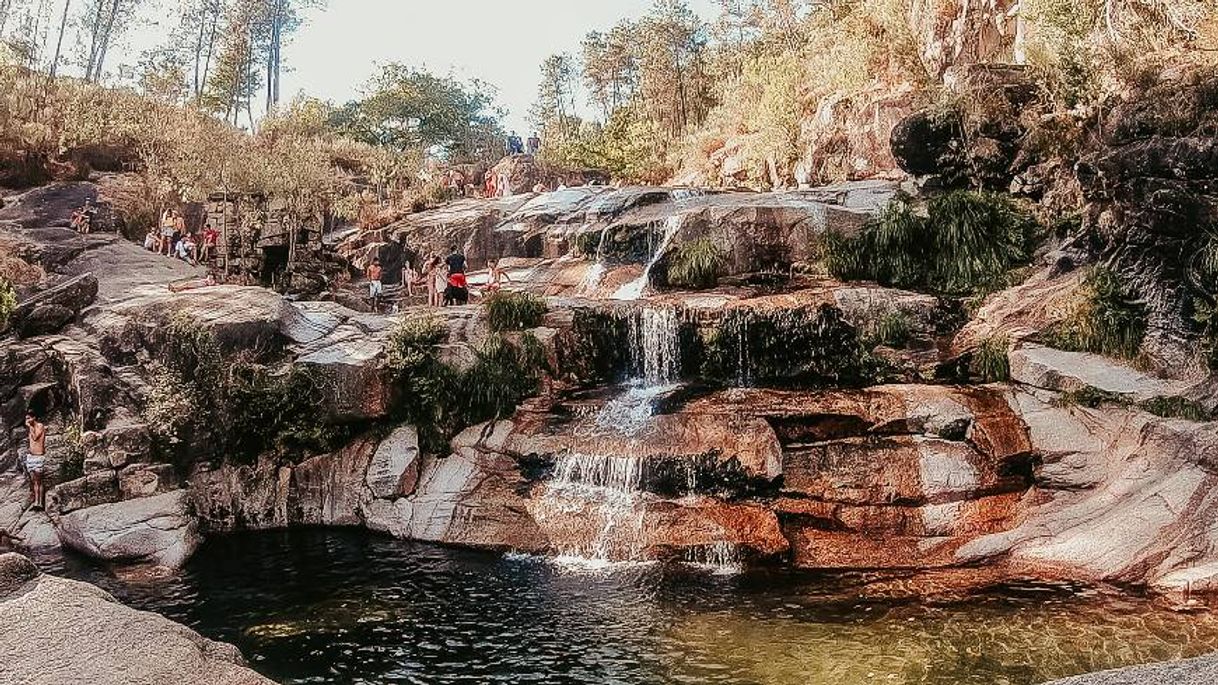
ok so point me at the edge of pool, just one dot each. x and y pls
(1202, 670)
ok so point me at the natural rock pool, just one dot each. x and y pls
(314, 606)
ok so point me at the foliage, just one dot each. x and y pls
(236, 406)
(696, 264)
(8, 302)
(893, 329)
(801, 348)
(1176, 408)
(439, 399)
(405, 108)
(991, 362)
(1103, 318)
(967, 244)
(503, 374)
(73, 465)
(512, 311)
(1090, 397)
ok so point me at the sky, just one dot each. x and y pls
(502, 42)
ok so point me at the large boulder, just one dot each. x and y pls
(82, 635)
(159, 530)
(52, 309)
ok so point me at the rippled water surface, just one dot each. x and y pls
(347, 607)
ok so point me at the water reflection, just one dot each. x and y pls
(339, 607)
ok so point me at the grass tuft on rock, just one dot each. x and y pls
(511, 311)
(1103, 319)
(968, 243)
(8, 302)
(1176, 408)
(696, 265)
(991, 362)
(893, 329)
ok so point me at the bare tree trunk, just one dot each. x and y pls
(6, 7)
(211, 49)
(94, 35)
(103, 44)
(63, 23)
(198, 87)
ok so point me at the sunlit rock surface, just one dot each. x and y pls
(56, 631)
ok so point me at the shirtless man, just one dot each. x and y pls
(375, 287)
(35, 458)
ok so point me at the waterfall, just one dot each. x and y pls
(608, 488)
(721, 558)
(597, 271)
(634, 289)
(655, 345)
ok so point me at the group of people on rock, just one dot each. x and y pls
(515, 146)
(444, 279)
(172, 239)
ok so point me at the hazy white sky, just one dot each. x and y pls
(499, 41)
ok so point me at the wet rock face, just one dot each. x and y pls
(1151, 186)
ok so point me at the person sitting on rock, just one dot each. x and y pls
(187, 250)
(375, 287)
(211, 237)
(150, 240)
(35, 458)
(514, 144)
(496, 276)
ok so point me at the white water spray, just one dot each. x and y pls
(635, 289)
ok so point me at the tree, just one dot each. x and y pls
(610, 67)
(106, 21)
(405, 109)
(554, 110)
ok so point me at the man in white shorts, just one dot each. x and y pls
(376, 287)
(36, 458)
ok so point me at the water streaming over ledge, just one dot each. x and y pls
(635, 289)
(610, 486)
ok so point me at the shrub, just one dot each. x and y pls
(73, 465)
(968, 243)
(502, 375)
(991, 362)
(696, 265)
(439, 400)
(893, 329)
(8, 302)
(1091, 397)
(509, 311)
(235, 406)
(1176, 408)
(1103, 319)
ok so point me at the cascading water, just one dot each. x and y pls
(610, 485)
(655, 345)
(634, 289)
(721, 558)
(596, 272)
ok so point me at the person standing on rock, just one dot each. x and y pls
(534, 143)
(35, 458)
(375, 286)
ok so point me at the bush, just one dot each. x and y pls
(1176, 408)
(508, 311)
(968, 244)
(893, 329)
(991, 362)
(1091, 397)
(8, 302)
(73, 465)
(235, 406)
(696, 265)
(1103, 319)
(439, 400)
